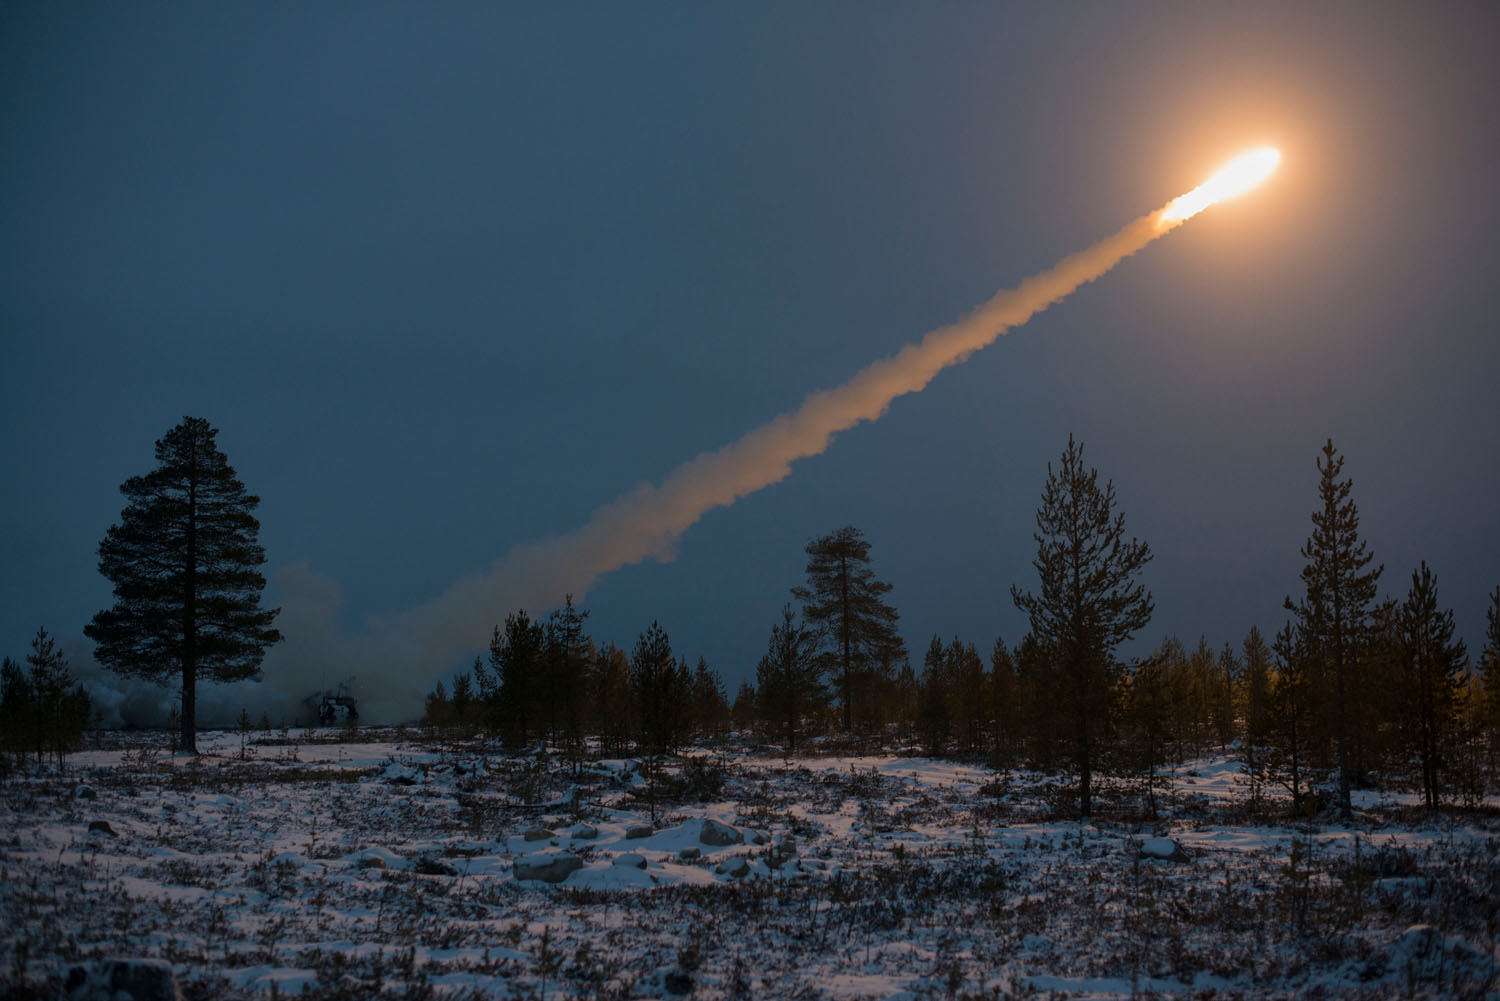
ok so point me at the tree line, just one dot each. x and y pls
(43, 711)
(1350, 690)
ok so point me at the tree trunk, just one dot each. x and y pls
(1345, 810)
(1085, 772)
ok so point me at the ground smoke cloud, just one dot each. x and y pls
(399, 657)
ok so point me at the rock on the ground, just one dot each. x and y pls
(735, 868)
(634, 860)
(122, 980)
(717, 834)
(677, 982)
(401, 775)
(83, 792)
(549, 867)
(638, 831)
(102, 827)
(584, 832)
(689, 854)
(539, 834)
(1163, 848)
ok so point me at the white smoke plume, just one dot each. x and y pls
(399, 657)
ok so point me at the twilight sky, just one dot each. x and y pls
(450, 277)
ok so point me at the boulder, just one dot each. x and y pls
(122, 980)
(689, 854)
(634, 860)
(717, 835)
(372, 862)
(584, 832)
(401, 775)
(638, 831)
(539, 834)
(83, 792)
(1163, 848)
(102, 827)
(677, 982)
(548, 867)
(734, 868)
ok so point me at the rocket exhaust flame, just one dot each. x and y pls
(1234, 178)
(400, 654)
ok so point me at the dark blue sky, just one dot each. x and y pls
(449, 277)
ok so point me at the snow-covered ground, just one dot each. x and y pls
(391, 868)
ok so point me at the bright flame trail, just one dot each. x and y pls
(1234, 178)
(404, 650)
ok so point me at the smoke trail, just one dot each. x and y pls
(398, 657)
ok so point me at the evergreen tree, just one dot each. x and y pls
(1433, 678)
(1226, 684)
(968, 696)
(1045, 700)
(1256, 657)
(679, 721)
(934, 706)
(1489, 668)
(1005, 704)
(652, 674)
(904, 686)
(463, 699)
(437, 709)
(1334, 614)
(516, 655)
(789, 679)
(710, 704)
(1288, 714)
(18, 721)
(744, 710)
(1197, 687)
(59, 708)
(567, 660)
(846, 601)
(1148, 713)
(612, 699)
(1089, 601)
(184, 562)
(653, 677)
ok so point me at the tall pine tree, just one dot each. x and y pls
(846, 601)
(1333, 615)
(184, 561)
(1089, 601)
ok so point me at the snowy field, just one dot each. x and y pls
(392, 868)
